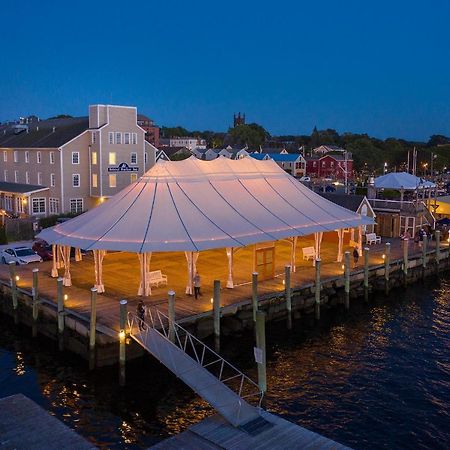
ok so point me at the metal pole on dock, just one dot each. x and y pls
(387, 266)
(122, 340)
(405, 260)
(317, 289)
(254, 294)
(93, 323)
(13, 283)
(35, 293)
(438, 248)
(347, 278)
(287, 294)
(171, 314)
(216, 315)
(366, 273)
(261, 348)
(60, 298)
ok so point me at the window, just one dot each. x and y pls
(52, 157)
(134, 138)
(145, 157)
(112, 180)
(5, 175)
(94, 137)
(76, 205)
(133, 158)
(27, 178)
(39, 178)
(314, 164)
(5, 156)
(94, 158)
(38, 157)
(27, 157)
(53, 204)
(111, 137)
(16, 176)
(126, 138)
(94, 180)
(16, 156)
(38, 205)
(332, 164)
(133, 177)
(76, 180)
(75, 157)
(118, 138)
(52, 180)
(323, 164)
(112, 158)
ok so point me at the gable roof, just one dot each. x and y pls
(20, 188)
(351, 202)
(41, 134)
(278, 157)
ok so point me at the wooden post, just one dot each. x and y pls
(93, 322)
(424, 251)
(216, 315)
(387, 266)
(347, 279)
(405, 260)
(35, 293)
(261, 346)
(438, 248)
(317, 302)
(13, 283)
(366, 272)
(254, 294)
(287, 294)
(171, 314)
(122, 340)
(60, 298)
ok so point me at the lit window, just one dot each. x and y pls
(5, 175)
(5, 156)
(111, 137)
(38, 157)
(38, 205)
(94, 180)
(16, 156)
(53, 205)
(27, 178)
(52, 157)
(112, 180)
(133, 177)
(94, 158)
(76, 180)
(134, 138)
(76, 205)
(27, 157)
(126, 138)
(16, 176)
(118, 138)
(133, 158)
(39, 177)
(112, 158)
(75, 157)
(52, 180)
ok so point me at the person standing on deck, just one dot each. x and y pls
(197, 285)
(140, 311)
(355, 257)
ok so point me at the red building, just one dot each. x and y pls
(330, 166)
(151, 130)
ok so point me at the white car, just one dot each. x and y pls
(306, 179)
(20, 255)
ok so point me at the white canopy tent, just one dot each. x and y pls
(195, 205)
(402, 180)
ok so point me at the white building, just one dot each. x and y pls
(190, 143)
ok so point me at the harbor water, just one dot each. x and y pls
(377, 376)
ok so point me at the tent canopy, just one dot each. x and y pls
(195, 205)
(402, 180)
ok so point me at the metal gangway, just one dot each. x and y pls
(229, 391)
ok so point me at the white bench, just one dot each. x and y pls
(372, 238)
(308, 253)
(156, 278)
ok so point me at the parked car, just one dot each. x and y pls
(43, 249)
(20, 255)
(306, 179)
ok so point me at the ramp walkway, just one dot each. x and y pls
(222, 385)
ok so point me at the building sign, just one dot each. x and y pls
(123, 167)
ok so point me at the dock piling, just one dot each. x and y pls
(317, 289)
(438, 248)
(347, 278)
(261, 348)
(405, 260)
(13, 283)
(216, 315)
(424, 253)
(171, 314)
(60, 299)
(254, 294)
(387, 266)
(35, 293)
(287, 294)
(93, 321)
(122, 340)
(366, 273)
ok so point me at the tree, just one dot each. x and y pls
(252, 135)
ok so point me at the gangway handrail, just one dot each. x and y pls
(186, 341)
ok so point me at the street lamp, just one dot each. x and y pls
(385, 167)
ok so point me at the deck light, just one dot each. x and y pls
(384, 256)
(212, 300)
(17, 278)
(343, 267)
(284, 282)
(122, 335)
(66, 296)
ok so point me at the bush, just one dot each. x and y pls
(3, 238)
(50, 221)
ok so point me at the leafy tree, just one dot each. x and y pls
(252, 135)
(169, 132)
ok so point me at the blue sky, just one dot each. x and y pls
(381, 67)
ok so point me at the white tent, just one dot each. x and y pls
(402, 180)
(195, 205)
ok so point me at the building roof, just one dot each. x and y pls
(278, 157)
(169, 151)
(19, 188)
(351, 202)
(50, 133)
(195, 205)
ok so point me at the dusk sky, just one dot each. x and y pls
(378, 67)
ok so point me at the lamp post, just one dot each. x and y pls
(385, 168)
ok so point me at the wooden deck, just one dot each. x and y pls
(215, 433)
(25, 425)
(121, 278)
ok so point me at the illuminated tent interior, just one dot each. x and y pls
(196, 205)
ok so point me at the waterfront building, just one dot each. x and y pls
(292, 163)
(191, 143)
(69, 165)
(334, 166)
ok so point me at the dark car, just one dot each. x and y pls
(43, 249)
